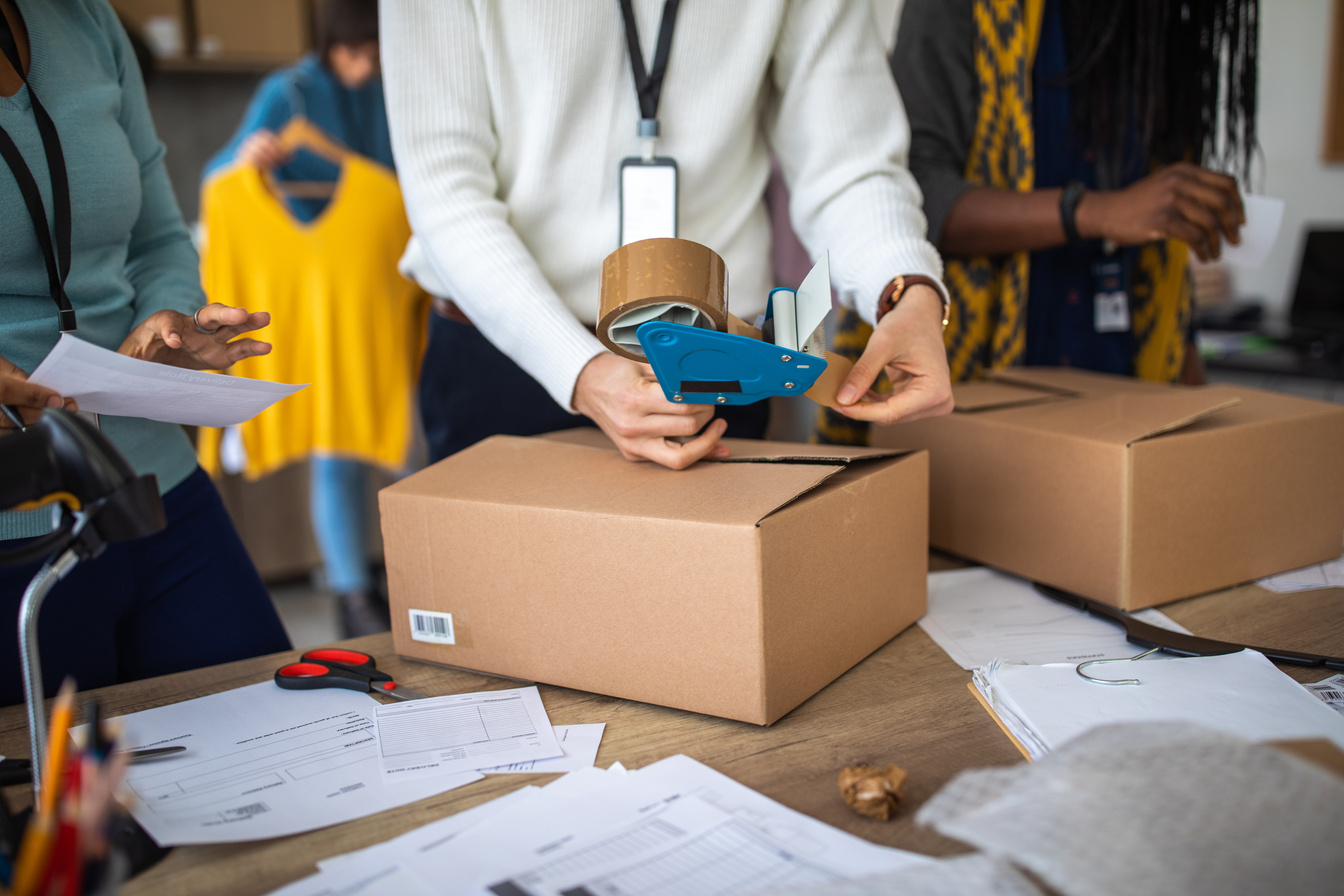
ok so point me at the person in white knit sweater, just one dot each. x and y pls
(509, 122)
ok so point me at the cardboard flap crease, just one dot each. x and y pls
(580, 476)
(985, 395)
(1126, 418)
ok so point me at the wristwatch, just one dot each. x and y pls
(897, 287)
(1068, 210)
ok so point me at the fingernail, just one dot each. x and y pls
(55, 401)
(719, 452)
(846, 394)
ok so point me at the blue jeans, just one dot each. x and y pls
(338, 510)
(183, 598)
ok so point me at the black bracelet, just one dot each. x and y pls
(1068, 210)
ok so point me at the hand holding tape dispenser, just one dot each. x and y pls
(665, 301)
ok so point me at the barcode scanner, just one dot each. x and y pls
(63, 462)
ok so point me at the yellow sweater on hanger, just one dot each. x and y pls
(342, 317)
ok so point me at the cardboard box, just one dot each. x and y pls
(161, 24)
(1129, 492)
(270, 32)
(736, 589)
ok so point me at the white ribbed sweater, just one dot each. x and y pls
(509, 120)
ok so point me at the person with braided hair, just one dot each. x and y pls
(1071, 160)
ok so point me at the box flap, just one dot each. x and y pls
(751, 451)
(987, 395)
(558, 474)
(1125, 418)
(747, 450)
(1076, 381)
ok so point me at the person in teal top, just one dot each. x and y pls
(338, 89)
(188, 596)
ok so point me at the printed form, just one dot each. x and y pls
(428, 738)
(105, 382)
(674, 827)
(263, 762)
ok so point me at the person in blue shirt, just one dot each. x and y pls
(337, 88)
(187, 596)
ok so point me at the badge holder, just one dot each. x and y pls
(700, 366)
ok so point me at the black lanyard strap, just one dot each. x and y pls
(58, 258)
(649, 84)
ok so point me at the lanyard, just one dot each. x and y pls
(58, 258)
(649, 84)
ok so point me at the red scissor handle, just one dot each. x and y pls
(310, 676)
(350, 660)
(338, 655)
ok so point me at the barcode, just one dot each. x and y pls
(1326, 694)
(436, 628)
(246, 811)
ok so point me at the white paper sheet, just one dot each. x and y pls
(262, 762)
(580, 743)
(1237, 693)
(1264, 214)
(432, 835)
(428, 848)
(593, 804)
(422, 739)
(683, 846)
(105, 382)
(978, 615)
(1309, 578)
(584, 808)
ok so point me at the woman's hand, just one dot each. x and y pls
(29, 398)
(263, 149)
(1182, 201)
(624, 399)
(908, 344)
(167, 337)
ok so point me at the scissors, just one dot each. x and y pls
(334, 667)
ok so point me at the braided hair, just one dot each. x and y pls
(1150, 79)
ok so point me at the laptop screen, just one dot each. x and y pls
(1318, 301)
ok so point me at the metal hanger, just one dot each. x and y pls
(1124, 659)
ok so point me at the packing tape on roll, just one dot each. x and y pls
(671, 280)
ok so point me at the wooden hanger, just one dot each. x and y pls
(300, 133)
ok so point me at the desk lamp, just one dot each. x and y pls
(63, 461)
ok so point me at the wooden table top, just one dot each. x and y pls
(906, 704)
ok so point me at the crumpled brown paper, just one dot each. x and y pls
(872, 791)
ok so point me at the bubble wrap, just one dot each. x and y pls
(1153, 809)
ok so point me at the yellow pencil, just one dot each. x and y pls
(58, 746)
(35, 852)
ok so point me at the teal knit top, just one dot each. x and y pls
(131, 255)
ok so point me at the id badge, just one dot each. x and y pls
(648, 199)
(1110, 300)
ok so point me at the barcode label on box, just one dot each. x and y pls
(436, 628)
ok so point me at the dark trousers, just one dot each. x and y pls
(470, 390)
(180, 599)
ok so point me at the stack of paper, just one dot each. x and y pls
(266, 762)
(1238, 693)
(979, 615)
(673, 827)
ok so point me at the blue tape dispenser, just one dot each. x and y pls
(704, 366)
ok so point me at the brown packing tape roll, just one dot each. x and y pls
(664, 279)
(837, 370)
